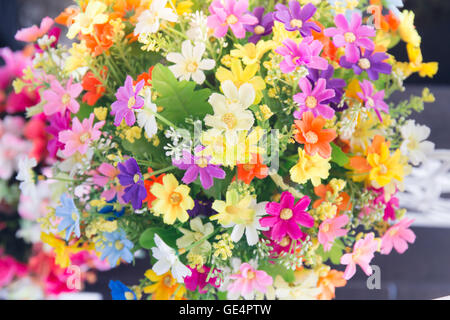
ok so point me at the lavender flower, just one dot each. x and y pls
(263, 27)
(296, 18)
(130, 177)
(372, 99)
(371, 63)
(128, 99)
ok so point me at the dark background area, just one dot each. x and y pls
(422, 272)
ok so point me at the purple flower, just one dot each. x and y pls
(337, 85)
(296, 18)
(371, 63)
(58, 123)
(351, 35)
(314, 100)
(263, 27)
(372, 99)
(127, 99)
(305, 53)
(202, 207)
(130, 177)
(198, 165)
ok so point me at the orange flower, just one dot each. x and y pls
(329, 50)
(310, 132)
(334, 279)
(102, 41)
(94, 87)
(321, 192)
(146, 76)
(65, 18)
(246, 172)
(123, 7)
(148, 183)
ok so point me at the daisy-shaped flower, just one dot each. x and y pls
(414, 144)
(130, 177)
(84, 21)
(351, 35)
(128, 100)
(331, 229)
(168, 260)
(197, 232)
(397, 237)
(312, 99)
(248, 281)
(34, 32)
(26, 176)
(189, 63)
(372, 99)
(253, 169)
(70, 216)
(230, 14)
(295, 18)
(263, 27)
(146, 116)
(59, 99)
(370, 62)
(115, 246)
(149, 20)
(363, 253)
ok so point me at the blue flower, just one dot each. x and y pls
(70, 216)
(113, 208)
(116, 246)
(119, 291)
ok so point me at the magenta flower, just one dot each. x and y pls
(106, 174)
(373, 100)
(80, 136)
(58, 122)
(130, 176)
(372, 64)
(247, 281)
(14, 64)
(390, 203)
(330, 229)
(363, 253)
(296, 18)
(351, 35)
(306, 53)
(397, 237)
(313, 99)
(198, 165)
(128, 99)
(199, 280)
(59, 99)
(285, 217)
(230, 14)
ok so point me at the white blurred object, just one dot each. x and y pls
(425, 189)
(80, 296)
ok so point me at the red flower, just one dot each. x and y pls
(146, 76)
(94, 87)
(148, 183)
(103, 40)
(248, 171)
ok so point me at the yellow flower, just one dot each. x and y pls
(416, 64)
(163, 287)
(223, 247)
(239, 76)
(101, 113)
(172, 200)
(308, 167)
(62, 251)
(84, 21)
(385, 167)
(234, 209)
(407, 30)
(366, 128)
(79, 57)
(251, 53)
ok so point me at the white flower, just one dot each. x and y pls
(77, 163)
(250, 227)
(168, 260)
(189, 62)
(149, 20)
(303, 288)
(146, 115)
(198, 28)
(230, 109)
(199, 230)
(26, 176)
(414, 144)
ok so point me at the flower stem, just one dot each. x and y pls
(155, 173)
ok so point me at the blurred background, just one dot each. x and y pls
(422, 272)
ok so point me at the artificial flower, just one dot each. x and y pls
(312, 168)
(372, 99)
(163, 287)
(116, 246)
(263, 27)
(235, 209)
(397, 237)
(130, 177)
(296, 18)
(146, 115)
(312, 99)
(200, 278)
(253, 169)
(33, 33)
(330, 229)
(128, 100)
(59, 99)
(119, 291)
(149, 20)
(363, 253)
(370, 62)
(70, 217)
(414, 144)
(247, 281)
(84, 21)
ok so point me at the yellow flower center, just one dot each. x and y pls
(167, 281)
(131, 102)
(232, 19)
(364, 63)
(232, 210)
(85, 137)
(285, 241)
(251, 275)
(286, 214)
(191, 67)
(259, 30)
(325, 227)
(413, 144)
(74, 216)
(311, 102)
(119, 245)
(349, 37)
(296, 23)
(393, 232)
(175, 198)
(311, 137)
(129, 295)
(230, 120)
(66, 99)
(202, 162)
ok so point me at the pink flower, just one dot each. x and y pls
(128, 99)
(398, 237)
(107, 173)
(330, 229)
(372, 99)
(231, 14)
(15, 63)
(33, 33)
(305, 53)
(59, 99)
(248, 280)
(9, 269)
(362, 254)
(199, 279)
(310, 99)
(286, 216)
(81, 134)
(351, 35)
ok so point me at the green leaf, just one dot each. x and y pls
(147, 238)
(179, 99)
(334, 254)
(338, 156)
(274, 270)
